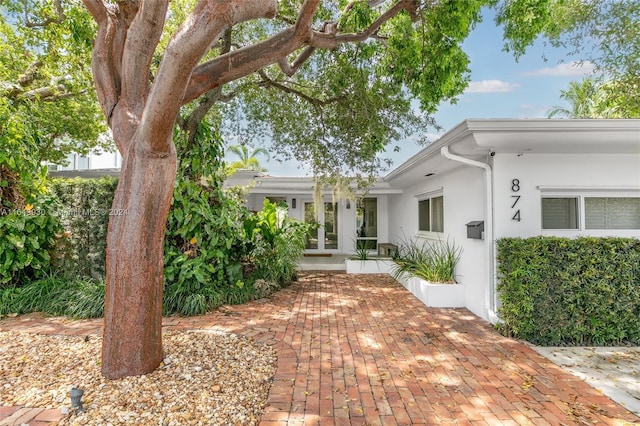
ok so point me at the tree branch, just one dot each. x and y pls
(329, 39)
(30, 73)
(57, 20)
(142, 38)
(204, 25)
(266, 81)
(291, 69)
(245, 61)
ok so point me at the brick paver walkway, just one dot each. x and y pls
(361, 350)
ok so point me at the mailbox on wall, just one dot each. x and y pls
(475, 229)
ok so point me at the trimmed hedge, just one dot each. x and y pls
(84, 214)
(559, 291)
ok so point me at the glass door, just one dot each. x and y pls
(367, 223)
(324, 237)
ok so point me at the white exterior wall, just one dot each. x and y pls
(558, 174)
(464, 194)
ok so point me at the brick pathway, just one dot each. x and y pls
(361, 350)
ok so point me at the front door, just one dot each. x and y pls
(325, 236)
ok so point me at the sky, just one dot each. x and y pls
(500, 87)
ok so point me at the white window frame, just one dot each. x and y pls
(424, 196)
(581, 193)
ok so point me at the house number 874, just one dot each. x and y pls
(515, 187)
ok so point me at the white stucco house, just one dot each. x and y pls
(481, 181)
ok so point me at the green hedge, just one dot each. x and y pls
(560, 291)
(84, 214)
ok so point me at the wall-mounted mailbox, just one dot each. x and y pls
(475, 229)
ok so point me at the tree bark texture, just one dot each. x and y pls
(132, 343)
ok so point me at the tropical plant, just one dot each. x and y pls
(435, 261)
(587, 99)
(247, 161)
(29, 237)
(361, 251)
(278, 242)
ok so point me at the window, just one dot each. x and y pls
(560, 213)
(431, 214)
(612, 213)
(367, 223)
(587, 210)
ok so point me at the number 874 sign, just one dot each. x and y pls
(515, 199)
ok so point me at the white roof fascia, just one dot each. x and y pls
(478, 136)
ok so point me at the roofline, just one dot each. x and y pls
(471, 127)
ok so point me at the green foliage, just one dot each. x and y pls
(248, 161)
(278, 242)
(346, 104)
(587, 99)
(203, 247)
(55, 295)
(435, 261)
(28, 240)
(48, 107)
(362, 250)
(84, 213)
(559, 291)
(611, 26)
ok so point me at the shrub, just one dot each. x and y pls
(204, 246)
(560, 291)
(29, 236)
(278, 242)
(435, 261)
(84, 213)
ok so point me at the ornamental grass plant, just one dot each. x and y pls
(434, 261)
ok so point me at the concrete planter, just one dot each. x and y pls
(434, 295)
(369, 266)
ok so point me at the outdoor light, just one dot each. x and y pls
(293, 203)
(348, 204)
(76, 399)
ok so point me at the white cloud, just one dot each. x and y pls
(571, 69)
(491, 86)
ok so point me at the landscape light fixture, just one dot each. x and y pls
(76, 399)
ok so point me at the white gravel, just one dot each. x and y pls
(206, 379)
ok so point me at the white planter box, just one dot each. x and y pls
(370, 266)
(432, 294)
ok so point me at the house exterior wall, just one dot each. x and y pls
(535, 175)
(464, 196)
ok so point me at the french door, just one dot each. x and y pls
(325, 236)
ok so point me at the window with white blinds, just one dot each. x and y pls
(569, 212)
(560, 213)
(612, 213)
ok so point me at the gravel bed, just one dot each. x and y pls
(206, 379)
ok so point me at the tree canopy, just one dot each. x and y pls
(603, 32)
(48, 105)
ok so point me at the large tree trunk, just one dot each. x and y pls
(132, 343)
